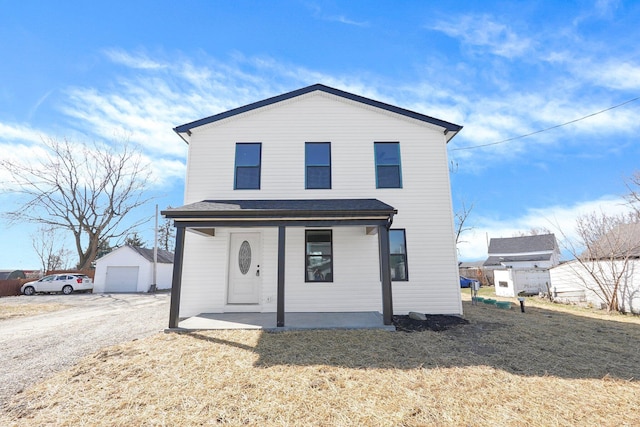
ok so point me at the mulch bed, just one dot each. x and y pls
(434, 322)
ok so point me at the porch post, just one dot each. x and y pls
(385, 274)
(281, 252)
(176, 284)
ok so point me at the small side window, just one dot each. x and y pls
(398, 255)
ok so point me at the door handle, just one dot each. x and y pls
(258, 270)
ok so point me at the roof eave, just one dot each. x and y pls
(177, 215)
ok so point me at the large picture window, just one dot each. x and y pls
(319, 256)
(317, 157)
(388, 171)
(398, 254)
(248, 157)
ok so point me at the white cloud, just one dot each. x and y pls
(319, 13)
(617, 74)
(166, 171)
(559, 219)
(137, 61)
(542, 118)
(17, 154)
(344, 20)
(19, 133)
(602, 9)
(482, 31)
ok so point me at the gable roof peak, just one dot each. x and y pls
(450, 129)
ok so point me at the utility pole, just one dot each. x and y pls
(154, 286)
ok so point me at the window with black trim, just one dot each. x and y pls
(319, 256)
(317, 158)
(388, 170)
(248, 156)
(398, 255)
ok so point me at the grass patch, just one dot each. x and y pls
(21, 310)
(543, 367)
(535, 301)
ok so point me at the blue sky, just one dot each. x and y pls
(90, 71)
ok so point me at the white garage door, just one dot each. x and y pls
(121, 279)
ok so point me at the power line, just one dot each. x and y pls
(544, 130)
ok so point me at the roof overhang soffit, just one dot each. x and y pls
(196, 223)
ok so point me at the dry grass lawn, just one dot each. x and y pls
(8, 311)
(551, 366)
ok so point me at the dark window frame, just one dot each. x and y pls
(380, 165)
(243, 167)
(404, 255)
(308, 166)
(308, 256)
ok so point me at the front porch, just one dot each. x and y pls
(295, 321)
(374, 216)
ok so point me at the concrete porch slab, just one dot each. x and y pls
(293, 321)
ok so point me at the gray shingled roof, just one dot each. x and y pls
(164, 257)
(276, 208)
(622, 241)
(524, 244)
(451, 129)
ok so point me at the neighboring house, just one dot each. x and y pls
(130, 269)
(316, 201)
(521, 264)
(611, 266)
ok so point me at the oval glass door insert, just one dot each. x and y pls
(244, 257)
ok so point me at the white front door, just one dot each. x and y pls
(244, 269)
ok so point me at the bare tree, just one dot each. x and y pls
(51, 257)
(534, 231)
(461, 217)
(633, 184)
(87, 189)
(604, 249)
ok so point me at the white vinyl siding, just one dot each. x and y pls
(423, 204)
(570, 282)
(531, 281)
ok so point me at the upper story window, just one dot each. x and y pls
(388, 171)
(398, 255)
(248, 157)
(317, 159)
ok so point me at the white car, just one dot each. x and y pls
(65, 283)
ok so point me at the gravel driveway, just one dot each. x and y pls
(35, 347)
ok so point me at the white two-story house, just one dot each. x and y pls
(317, 200)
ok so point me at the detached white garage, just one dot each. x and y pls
(130, 269)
